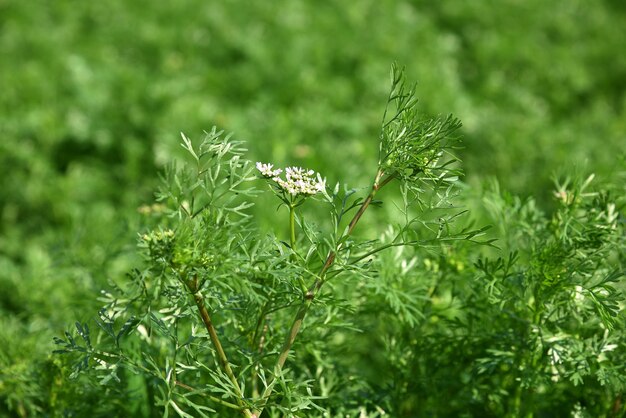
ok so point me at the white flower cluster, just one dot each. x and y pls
(266, 170)
(297, 181)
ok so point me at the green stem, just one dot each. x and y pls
(312, 291)
(192, 285)
(221, 355)
(212, 398)
(259, 332)
(292, 227)
(292, 241)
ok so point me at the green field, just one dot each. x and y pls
(94, 97)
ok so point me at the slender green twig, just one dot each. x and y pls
(221, 355)
(212, 398)
(259, 331)
(292, 241)
(292, 227)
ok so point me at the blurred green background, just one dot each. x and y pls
(94, 95)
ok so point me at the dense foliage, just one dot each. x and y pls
(94, 97)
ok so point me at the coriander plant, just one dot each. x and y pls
(555, 303)
(223, 318)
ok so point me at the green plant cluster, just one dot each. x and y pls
(225, 319)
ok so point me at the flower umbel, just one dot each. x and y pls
(297, 181)
(266, 170)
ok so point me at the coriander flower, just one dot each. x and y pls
(297, 181)
(266, 170)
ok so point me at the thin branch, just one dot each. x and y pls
(206, 395)
(221, 355)
(262, 321)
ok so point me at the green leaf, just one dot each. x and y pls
(128, 327)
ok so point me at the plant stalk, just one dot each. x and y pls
(212, 398)
(221, 355)
(292, 227)
(292, 242)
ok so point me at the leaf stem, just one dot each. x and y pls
(212, 398)
(221, 355)
(292, 241)
(259, 332)
(292, 227)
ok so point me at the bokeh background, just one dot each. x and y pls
(94, 95)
